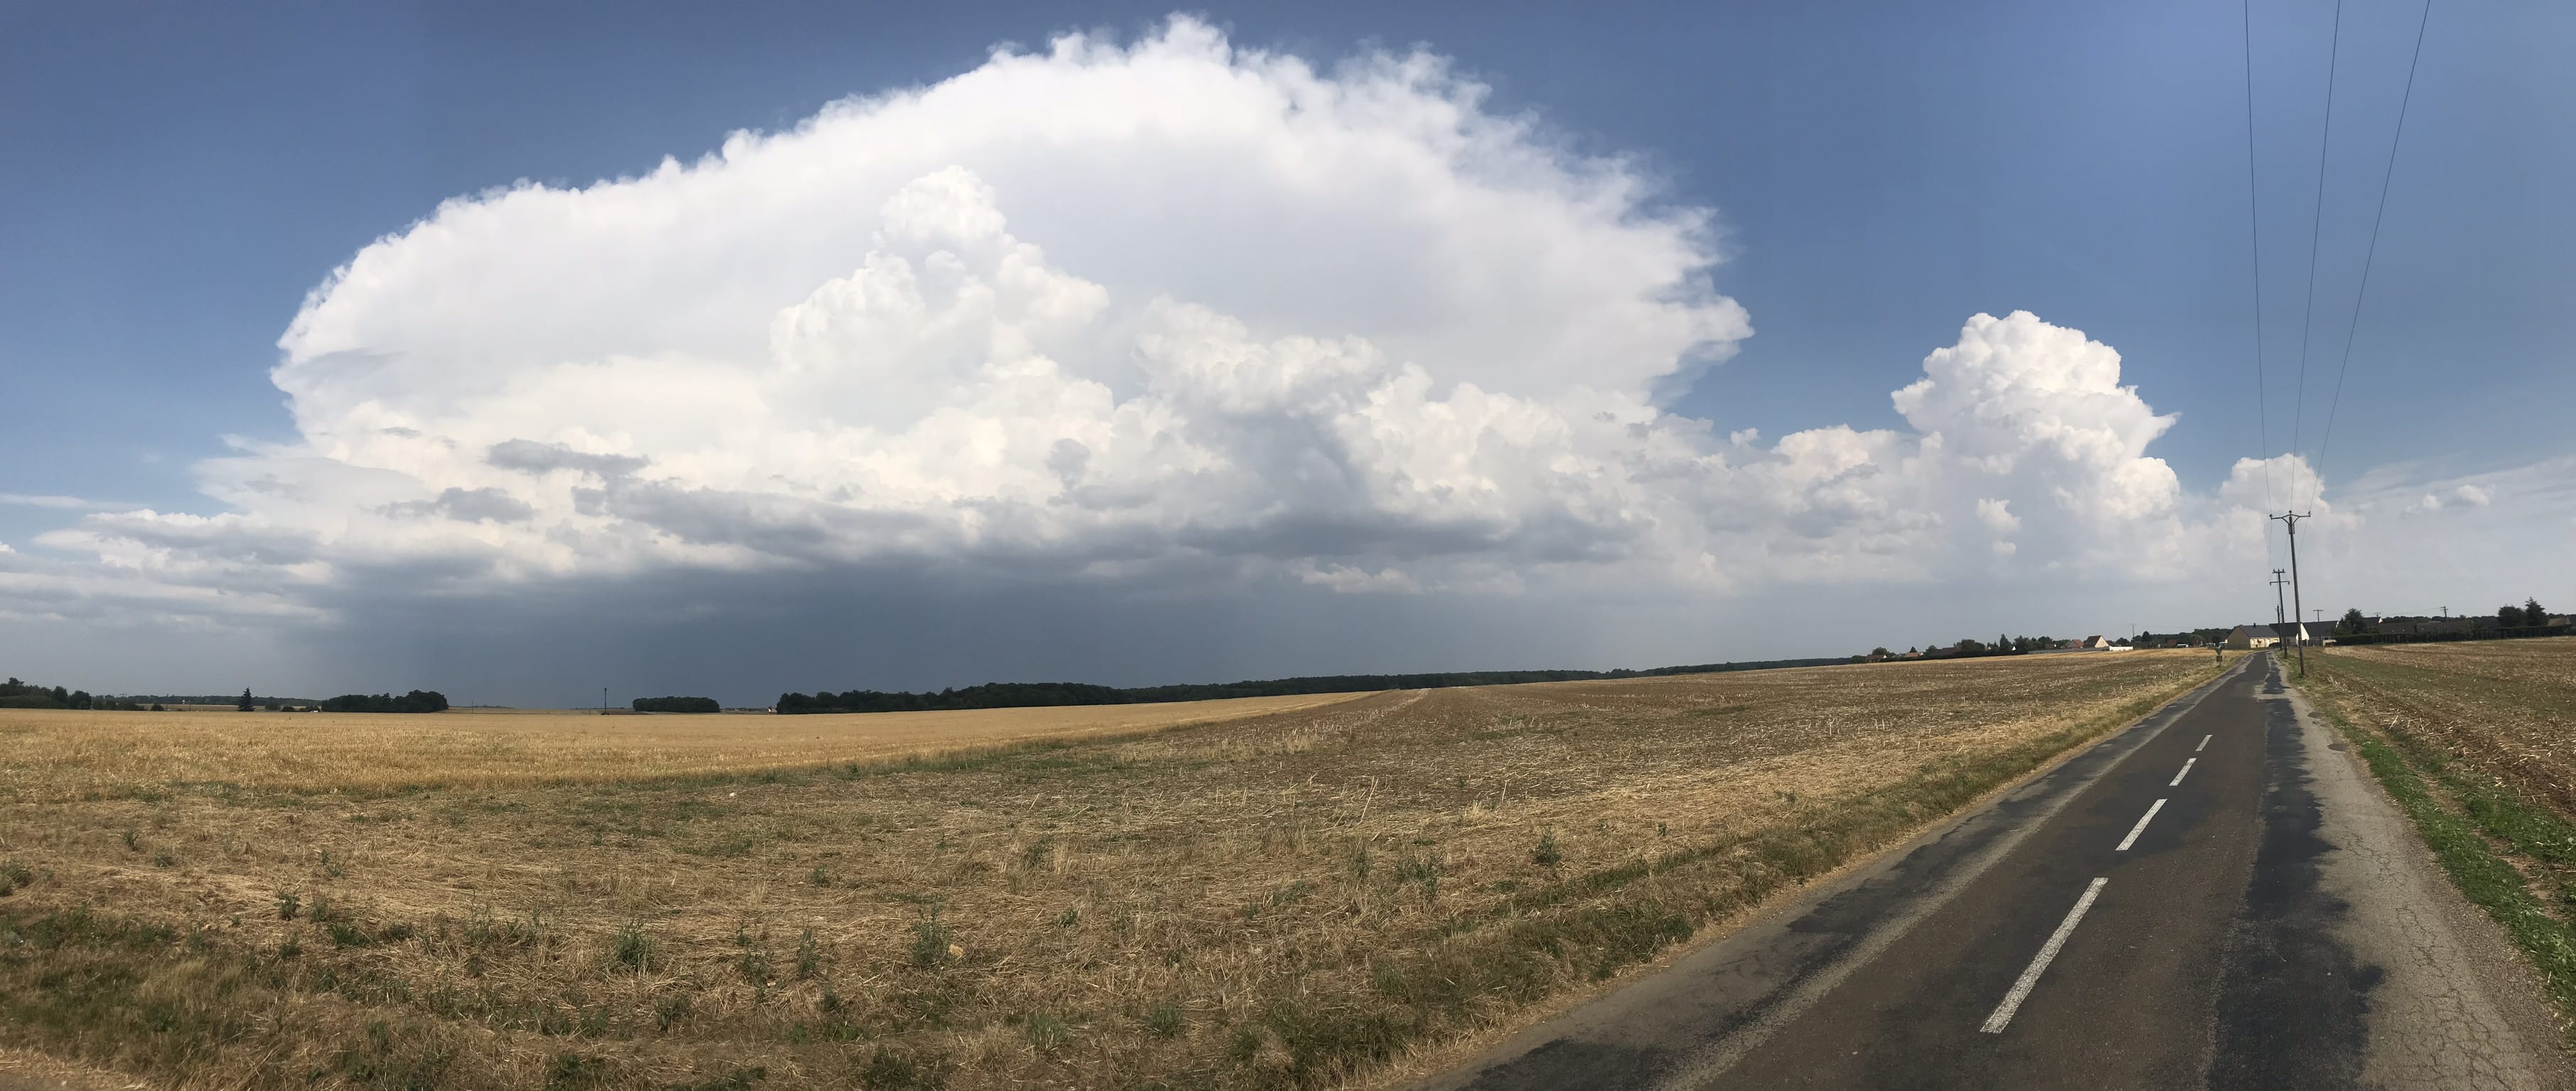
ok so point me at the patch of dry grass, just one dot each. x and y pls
(1304, 898)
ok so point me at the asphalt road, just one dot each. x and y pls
(2215, 897)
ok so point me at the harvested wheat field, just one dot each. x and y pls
(1338, 894)
(2505, 707)
(62, 754)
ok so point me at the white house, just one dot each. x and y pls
(2265, 636)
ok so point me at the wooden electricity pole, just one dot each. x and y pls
(2296, 607)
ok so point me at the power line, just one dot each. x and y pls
(2254, 214)
(2325, 138)
(2362, 293)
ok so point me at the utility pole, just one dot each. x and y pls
(603, 700)
(2280, 608)
(2292, 519)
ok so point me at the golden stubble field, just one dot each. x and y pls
(1340, 893)
(2505, 707)
(77, 754)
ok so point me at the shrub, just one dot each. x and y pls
(930, 941)
(809, 957)
(632, 948)
(1048, 1033)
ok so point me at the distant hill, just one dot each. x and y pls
(1041, 694)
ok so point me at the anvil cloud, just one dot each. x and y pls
(1122, 315)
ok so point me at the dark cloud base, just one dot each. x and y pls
(745, 639)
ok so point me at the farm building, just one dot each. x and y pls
(2245, 637)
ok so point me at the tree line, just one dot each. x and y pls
(2528, 615)
(1968, 648)
(415, 701)
(1045, 694)
(2528, 619)
(15, 693)
(18, 694)
(677, 704)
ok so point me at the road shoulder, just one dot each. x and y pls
(2457, 1006)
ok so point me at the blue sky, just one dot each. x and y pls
(179, 179)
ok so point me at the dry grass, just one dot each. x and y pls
(1315, 897)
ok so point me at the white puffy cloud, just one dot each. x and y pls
(1120, 312)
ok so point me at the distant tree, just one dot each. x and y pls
(677, 704)
(2532, 614)
(156, 707)
(2509, 617)
(1879, 652)
(2353, 623)
(245, 704)
(1970, 646)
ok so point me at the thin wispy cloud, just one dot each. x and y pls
(66, 503)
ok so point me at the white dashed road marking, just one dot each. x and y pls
(2186, 771)
(2039, 962)
(2204, 743)
(2140, 828)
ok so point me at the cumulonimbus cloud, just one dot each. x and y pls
(1092, 312)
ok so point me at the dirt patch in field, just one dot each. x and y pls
(1299, 898)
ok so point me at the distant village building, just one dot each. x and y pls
(2095, 643)
(2249, 637)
